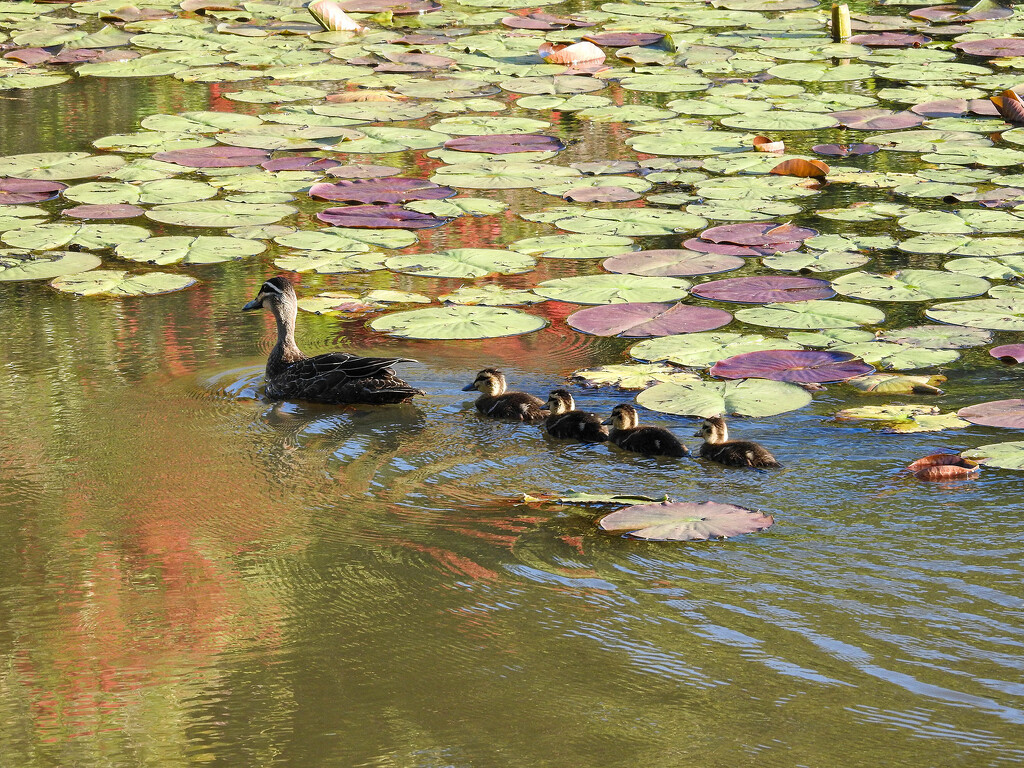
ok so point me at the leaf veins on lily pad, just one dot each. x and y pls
(631, 376)
(798, 366)
(748, 397)
(458, 322)
(16, 264)
(638, 320)
(685, 521)
(764, 289)
(113, 282)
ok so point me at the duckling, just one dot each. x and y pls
(566, 421)
(733, 453)
(335, 377)
(651, 441)
(496, 403)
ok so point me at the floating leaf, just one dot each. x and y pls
(753, 397)
(638, 320)
(331, 262)
(214, 157)
(22, 191)
(58, 166)
(462, 262)
(505, 143)
(490, 296)
(1008, 455)
(91, 237)
(338, 239)
(701, 350)
(613, 289)
(1011, 354)
(390, 190)
(629, 222)
(117, 283)
(993, 314)
(380, 217)
(16, 264)
(573, 246)
(189, 250)
(943, 467)
(937, 336)
(685, 521)
(501, 175)
(897, 384)
(997, 413)
(818, 261)
(458, 322)
(111, 211)
(798, 366)
(631, 377)
(804, 169)
(219, 213)
(909, 285)
(671, 262)
(764, 289)
(812, 315)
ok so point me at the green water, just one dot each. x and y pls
(191, 575)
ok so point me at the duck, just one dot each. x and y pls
(628, 435)
(566, 422)
(496, 403)
(332, 378)
(719, 448)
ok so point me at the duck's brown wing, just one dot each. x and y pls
(339, 377)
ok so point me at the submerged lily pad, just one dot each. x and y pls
(113, 282)
(685, 521)
(16, 264)
(798, 366)
(749, 397)
(637, 320)
(458, 322)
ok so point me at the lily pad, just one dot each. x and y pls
(764, 289)
(631, 377)
(505, 143)
(16, 264)
(671, 262)
(391, 190)
(380, 217)
(219, 213)
(815, 261)
(638, 320)
(340, 239)
(214, 157)
(613, 289)
(91, 237)
(189, 250)
(28, 191)
(501, 175)
(458, 322)
(752, 397)
(937, 336)
(462, 262)
(59, 166)
(909, 285)
(701, 350)
(1011, 354)
(797, 366)
(331, 262)
(685, 521)
(113, 282)
(572, 246)
(490, 296)
(993, 314)
(1008, 455)
(812, 315)
(997, 413)
(628, 222)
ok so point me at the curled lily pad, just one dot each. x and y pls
(380, 217)
(637, 320)
(685, 521)
(189, 250)
(997, 413)
(764, 289)
(750, 397)
(909, 285)
(113, 282)
(632, 376)
(613, 289)
(671, 262)
(16, 264)
(798, 366)
(28, 191)
(390, 190)
(458, 322)
(1009, 455)
(943, 467)
(701, 350)
(812, 315)
(1011, 354)
(462, 262)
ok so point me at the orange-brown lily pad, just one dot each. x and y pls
(944, 466)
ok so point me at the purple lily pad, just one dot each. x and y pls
(844, 150)
(380, 217)
(877, 119)
(764, 289)
(214, 157)
(625, 39)
(1011, 354)
(685, 521)
(397, 7)
(300, 163)
(644, 319)
(543, 22)
(112, 211)
(671, 262)
(960, 13)
(890, 40)
(506, 143)
(28, 191)
(804, 366)
(956, 108)
(997, 413)
(392, 190)
(600, 195)
(30, 56)
(728, 249)
(363, 171)
(995, 47)
(757, 234)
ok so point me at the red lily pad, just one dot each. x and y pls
(685, 521)
(643, 319)
(625, 39)
(877, 119)
(890, 40)
(728, 249)
(214, 157)
(363, 171)
(506, 143)
(300, 163)
(380, 217)
(757, 234)
(1011, 354)
(996, 47)
(943, 466)
(806, 366)
(764, 289)
(391, 190)
(671, 262)
(844, 150)
(30, 56)
(28, 191)
(111, 211)
(997, 413)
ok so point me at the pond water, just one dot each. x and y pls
(192, 574)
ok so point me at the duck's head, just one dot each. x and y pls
(713, 430)
(560, 401)
(489, 381)
(275, 293)
(623, 417)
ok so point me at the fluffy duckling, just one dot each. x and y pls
(565, 421)
(733, 453)
(496, 403)
(651, 441)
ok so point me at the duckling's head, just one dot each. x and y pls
(489, 381)
(623, 417)
(713, 430)
(560, 401)
(275, 293)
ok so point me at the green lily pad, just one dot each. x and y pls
(631, 377)
(905, 418)
(331, 262)
(113, 282)
(816, 261)
(481, 125)
(200, 122)
(909, 285)
(1002, 268)
(811, 315)
(458, 322)
(347, 239)
(746, 397)
(937, 336)
(613, 289)
(462, 262)
(218, 213)
(189, 250)
(501, 175)
(91, 237)
(809, 72)
(702, 350)
(458, 206)
(490, 296)
(780, 120)
(329, 302)
(963, 222)
(59, 166)
(690, 143)
(687, 521)
(1009, 455)
(897, 357)
(384, 139)
(993, 314)
(960, 245)
(627, 222)
(574, 246)
(16, 264)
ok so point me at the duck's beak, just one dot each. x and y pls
(254, 304)
(697, 433)
(469, 387)
(606, 423)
